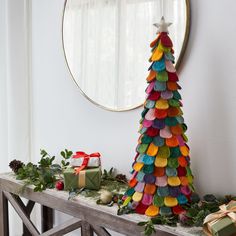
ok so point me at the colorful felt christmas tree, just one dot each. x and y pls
(162, 178)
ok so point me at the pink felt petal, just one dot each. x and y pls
(165, 133)
(170, 67)
(150, 87)
(139, 187)
(150, 115)
(147, 123)
(180, 140)
(147, 199)
(161, 181)
(166, 94)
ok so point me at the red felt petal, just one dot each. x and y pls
(154, 95)
(165, 40)
(178, 210)
(152, 132)
(181, 171)
(153, 43)
(141, 208)
(173, 77)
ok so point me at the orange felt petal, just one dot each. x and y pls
(172, 86)
(182, 161)
(133, 182)
(172, 142)
(151, 76)
(173, 111)
(157, 55)
(150, 188)
(184, 150)
(176, 130)
(152, 211)
(160, 113)
(184, 180)
(154, 42)
(159, 171)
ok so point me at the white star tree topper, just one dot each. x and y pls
(162, 26)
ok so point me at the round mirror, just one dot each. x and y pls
(106, 45)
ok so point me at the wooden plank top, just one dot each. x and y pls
(86, 208)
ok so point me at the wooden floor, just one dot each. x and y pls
(86, 214)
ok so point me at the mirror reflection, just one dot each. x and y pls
(106, 45)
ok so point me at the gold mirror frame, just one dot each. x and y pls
(177, 65)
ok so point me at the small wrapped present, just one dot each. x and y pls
(88, 178)
(83, 160)
(222, 222)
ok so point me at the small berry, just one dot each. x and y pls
(59, 185)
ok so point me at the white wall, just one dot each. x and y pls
(62, 117)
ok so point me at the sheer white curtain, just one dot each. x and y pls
(107, 45)
(14, 89)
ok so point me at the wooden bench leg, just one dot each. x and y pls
(46, 218)
(4, 219)
(86, 229)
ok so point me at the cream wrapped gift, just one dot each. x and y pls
(81, 159)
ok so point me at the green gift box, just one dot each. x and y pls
(88, 178)
(223, 222)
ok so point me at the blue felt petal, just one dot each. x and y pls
(159, 65)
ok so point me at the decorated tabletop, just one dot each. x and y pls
(91, 204)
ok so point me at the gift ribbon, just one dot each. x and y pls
(85, 161)
(213, 218)
(81, 179)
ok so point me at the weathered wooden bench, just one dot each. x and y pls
(85, 213)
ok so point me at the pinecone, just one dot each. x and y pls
(15, 165)
(121, 178)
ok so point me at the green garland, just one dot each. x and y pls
(45, 174)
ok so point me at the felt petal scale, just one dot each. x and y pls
(147, 199)
(163, 152)
(170, 201)
(154, 96)
(152, 211)
(170, 67)
(163, 191)
(166, 41)
(160, 162)
(150, 115)
(174, 181)
(147, 123)
(160, 86)
(137, 197)
(166, 94)
(159, 123)
(169, 56)
(165, 133)
(151, 76)
(162, 104)
(157, 55)
(150, 104)
(158, 141)
(162, 76)
(173, 77)
(159, 65)
(150, 87)
(150, 188)
(165, 211)
(160, 113)
(148, 160)
(161, 181)
(158, 201)
(139, 187)
(152, 150)
(159, 171)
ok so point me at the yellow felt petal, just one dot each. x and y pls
(173, 181)
(127, 200)
(152, 150)
(157, 55)
(170, 201)
(160, 162)
(152, 211)
(162, 104)
(138, 166)
(184, 150)
(162, 48)
(137, 197)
